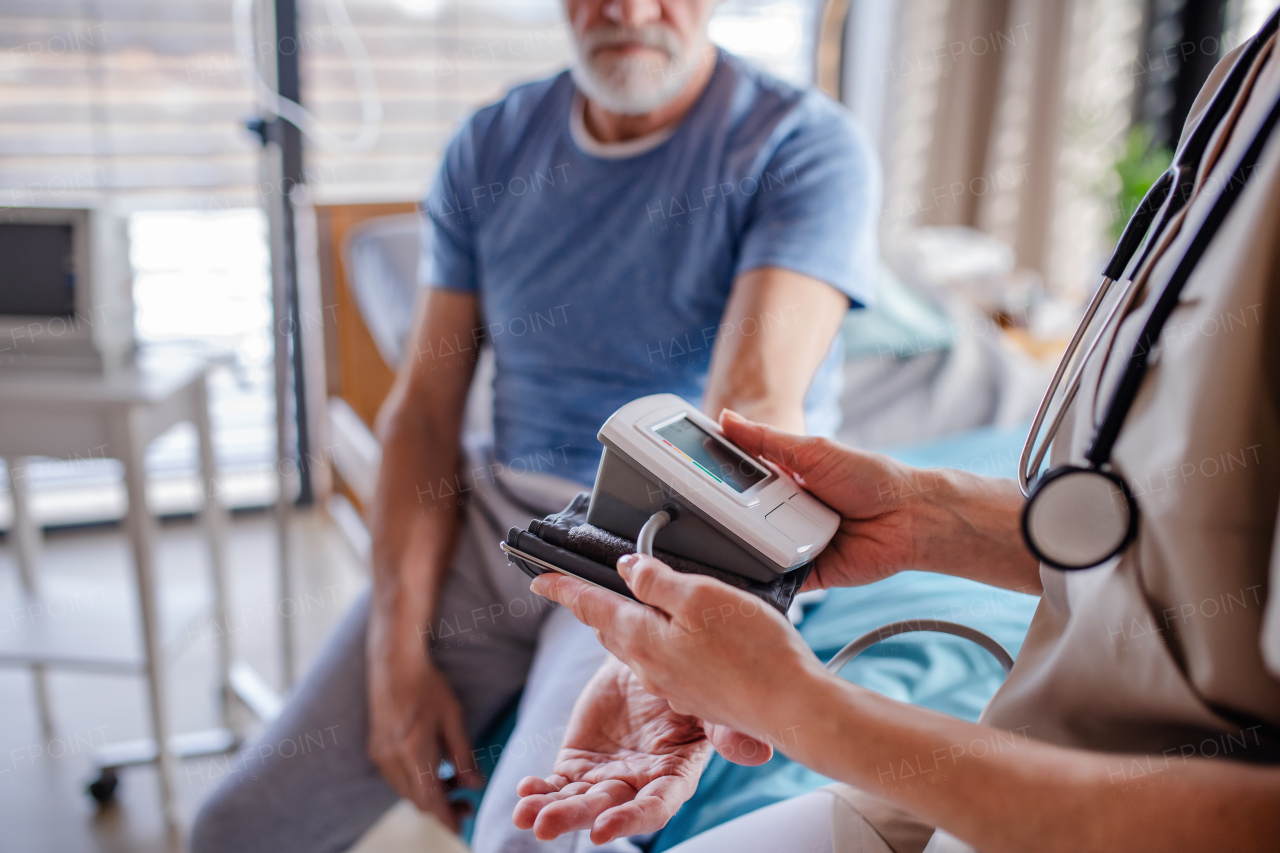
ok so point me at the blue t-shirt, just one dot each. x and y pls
(603, 279)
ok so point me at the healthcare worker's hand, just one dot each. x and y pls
(627, 764)
(870, 491)
(713, 652)
(895, 517)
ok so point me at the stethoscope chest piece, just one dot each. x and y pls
(1078, 518)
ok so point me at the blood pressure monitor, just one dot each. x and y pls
(670, 484)
(732, 511)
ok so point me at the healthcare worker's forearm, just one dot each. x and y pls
(1004, 791)
(970, 526)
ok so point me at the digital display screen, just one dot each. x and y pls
(36, 270)
(712, 455)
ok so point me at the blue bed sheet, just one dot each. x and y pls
(937, 671)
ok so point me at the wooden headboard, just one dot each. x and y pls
(356, 370)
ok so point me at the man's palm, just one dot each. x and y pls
(627, 764)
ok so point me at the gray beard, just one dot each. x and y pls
(620, 93)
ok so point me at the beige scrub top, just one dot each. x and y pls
(1171, 651)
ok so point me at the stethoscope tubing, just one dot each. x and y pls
(1170, 192)
(1025, 463)
(1134, 231)
(1136, 367)
(1055, 551)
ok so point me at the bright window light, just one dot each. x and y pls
(774, 35)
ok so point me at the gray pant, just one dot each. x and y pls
(307, 783)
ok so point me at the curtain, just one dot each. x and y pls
(1004, 115)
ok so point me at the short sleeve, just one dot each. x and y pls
(816, 205)
(448, 248)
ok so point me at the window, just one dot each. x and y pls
(144, 103)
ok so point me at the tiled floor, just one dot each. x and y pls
(87, 604)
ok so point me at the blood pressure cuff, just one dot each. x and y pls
(566, 541)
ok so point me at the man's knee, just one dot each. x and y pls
(226, 820)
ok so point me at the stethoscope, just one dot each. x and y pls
(1080, 516)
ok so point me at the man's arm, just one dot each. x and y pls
(414, 716)
(777, 327)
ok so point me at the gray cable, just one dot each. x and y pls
(657, 521)
(884, 632)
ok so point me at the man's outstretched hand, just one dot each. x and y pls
(627, 764)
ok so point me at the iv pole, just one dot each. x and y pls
(282, 170)
(278, 91)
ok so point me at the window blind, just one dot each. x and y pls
(145, 100)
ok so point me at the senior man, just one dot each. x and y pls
(660, 218)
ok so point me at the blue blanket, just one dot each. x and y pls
(937, 671)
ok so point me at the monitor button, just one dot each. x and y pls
(793, 524)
